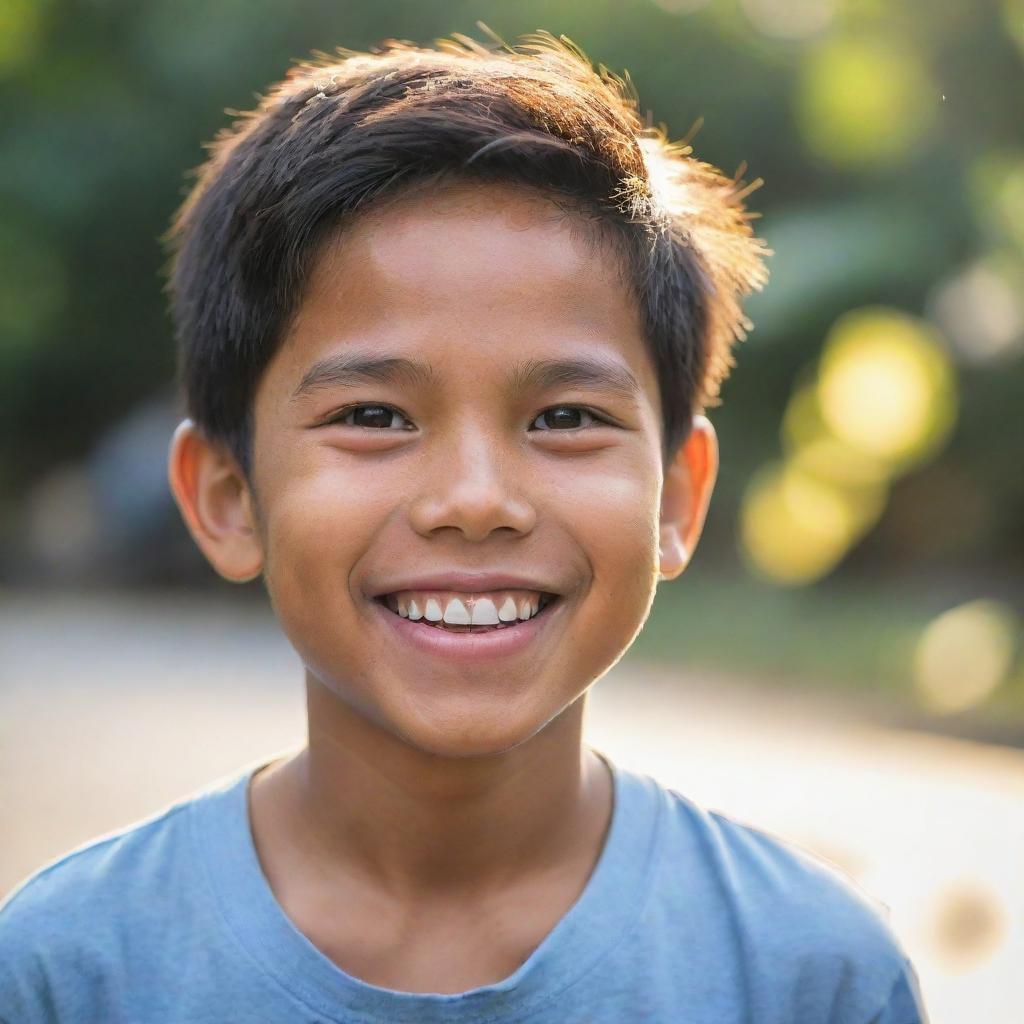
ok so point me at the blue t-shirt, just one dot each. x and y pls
(688, 916)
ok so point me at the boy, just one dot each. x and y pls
(448, 319)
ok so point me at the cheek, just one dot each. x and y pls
(619, 512)
(617, 526)
(317, 526)
(320, 526)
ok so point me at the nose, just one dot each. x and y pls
(470, 484)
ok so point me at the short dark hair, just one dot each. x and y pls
(342, 131)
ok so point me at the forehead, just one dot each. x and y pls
(468, 278)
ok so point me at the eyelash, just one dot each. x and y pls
(342, 413)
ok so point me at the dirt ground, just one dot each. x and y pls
(113, 706)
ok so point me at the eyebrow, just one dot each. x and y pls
(349, 369)
(587, 374)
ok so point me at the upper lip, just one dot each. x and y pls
(465, 582)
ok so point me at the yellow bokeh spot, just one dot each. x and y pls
(865, 101)
(882, 398)
(964, 654)
(794, 527)
(834, 461)
(886, 387)
(801, 422)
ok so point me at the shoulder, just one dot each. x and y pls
(81, 900)
(150, 854)
(91, 873)
(62, 927)
(768, 877)
(797, 923)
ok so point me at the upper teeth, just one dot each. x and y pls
(466, 609)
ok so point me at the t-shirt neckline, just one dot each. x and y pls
(594, 925)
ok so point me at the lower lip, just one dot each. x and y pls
(470, 647)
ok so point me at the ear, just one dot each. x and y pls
(685, 496)
(214, 499)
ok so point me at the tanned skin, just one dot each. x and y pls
(442, 818)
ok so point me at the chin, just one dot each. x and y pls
(469, 732)
(458, 718)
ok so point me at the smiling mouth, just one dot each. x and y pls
(546, 602)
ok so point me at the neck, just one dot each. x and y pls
(362, 802)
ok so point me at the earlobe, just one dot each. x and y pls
(213, 497)
(686, 494)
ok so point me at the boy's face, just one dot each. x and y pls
(474, 460)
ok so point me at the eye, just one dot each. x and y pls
(380, 417)
(561, 417)
(374, 417)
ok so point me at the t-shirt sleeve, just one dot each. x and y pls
(905, 1004)
(18, 1002)
(23, 987)
(43, 970)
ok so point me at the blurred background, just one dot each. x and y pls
(845, 654)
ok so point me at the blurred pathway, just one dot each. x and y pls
(111, 707)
